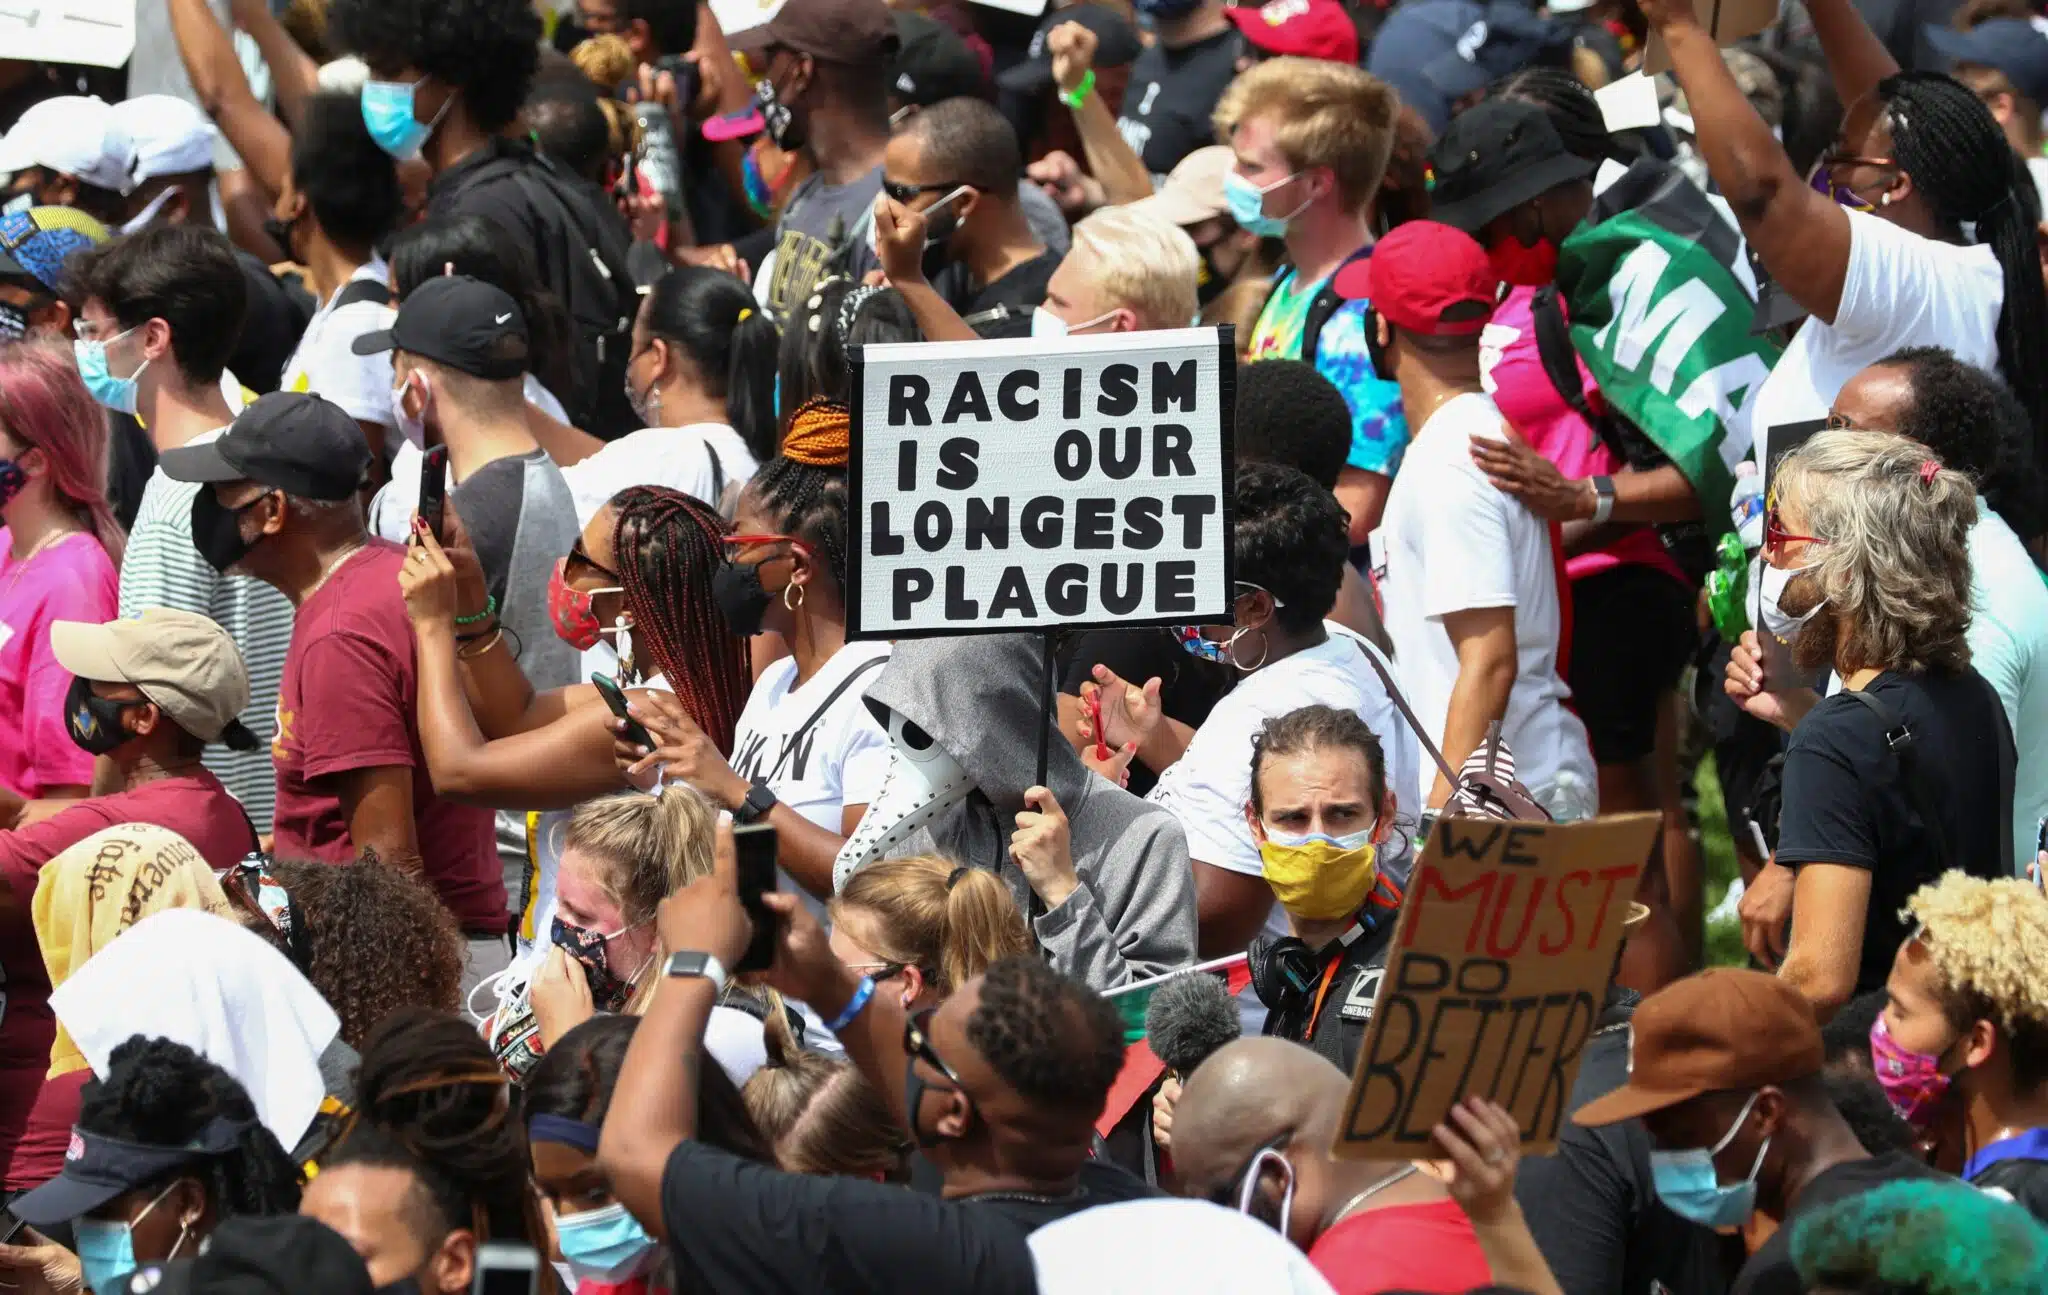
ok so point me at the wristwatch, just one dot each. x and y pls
(1603, 499)
(697, 966)
(757, 804)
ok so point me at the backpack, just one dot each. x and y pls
(581, 255)
(1324, 308)
(1486, 786)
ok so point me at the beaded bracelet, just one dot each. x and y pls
(1074, 98)
(490, 610)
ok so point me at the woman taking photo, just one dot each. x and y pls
(1917, 227)
(921, 927)
(1908, 771)
(58, 552)
(807, 754)
(1291, 545)
(701, 375)
(566, 1098)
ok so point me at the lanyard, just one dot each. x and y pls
(1341, 943)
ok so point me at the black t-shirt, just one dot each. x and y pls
(2016, 1168)
(1166, 107)
(1188, 686)
(1770, 1271)
(1337, 1030)
(1846, 800)
(270, 330)
(1002, 308)
(1592, 1204)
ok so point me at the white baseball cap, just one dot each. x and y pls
(77, 136)
(172, 137)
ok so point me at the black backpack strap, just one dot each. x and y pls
(360, 290)
(717, 479)
(1324, 308)
(1900, 740)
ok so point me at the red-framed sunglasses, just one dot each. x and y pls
(741, 541)
(1777, 537)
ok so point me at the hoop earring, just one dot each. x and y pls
(1230, 650)
(800, 596)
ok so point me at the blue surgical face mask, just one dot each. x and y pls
(1690, 1186)
(604, 1245)
(117, 394)
(388, 116)
(106, 1248)
(1247, 203)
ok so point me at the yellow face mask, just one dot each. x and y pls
(1320, 877)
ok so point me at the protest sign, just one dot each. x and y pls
(1039, 484)
(1495, 977)
(96, 33)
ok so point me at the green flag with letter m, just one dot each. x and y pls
(1660, 296)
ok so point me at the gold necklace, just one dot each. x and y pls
(21, 567)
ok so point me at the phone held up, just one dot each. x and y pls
(614, 697)
(506, 1268)
(434, 490)
(754, 844)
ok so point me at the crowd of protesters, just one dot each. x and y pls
(425, 439)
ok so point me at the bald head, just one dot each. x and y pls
(1250, 1094)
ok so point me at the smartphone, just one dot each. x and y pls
(506, 1268)
(755, 845)
(434, 488)
(686, 77)
(608, 688)
(10, 1227)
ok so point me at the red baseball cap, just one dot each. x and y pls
(1426, 278)
(1309, 28)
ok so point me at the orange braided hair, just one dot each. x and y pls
(820, 434)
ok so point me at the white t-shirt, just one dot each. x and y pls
(1449, 542)
(676, 457)
(325, 364)
(1900, 290)
(1209, 786)
(816, 768)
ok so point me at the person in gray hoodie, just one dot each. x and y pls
(963, 715)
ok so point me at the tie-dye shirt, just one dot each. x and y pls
(1379, 432)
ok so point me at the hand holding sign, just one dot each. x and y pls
(899, 240)
(1043, 848)
(1484, 1147)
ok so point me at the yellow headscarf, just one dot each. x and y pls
(105, 884)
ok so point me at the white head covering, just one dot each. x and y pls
(346, 74)
(82, 137)
(171, 136)
(1187, 1247)
(220, 990)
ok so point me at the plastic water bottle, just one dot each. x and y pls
(1747, 505)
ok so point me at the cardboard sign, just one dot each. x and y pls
(1494, 979)
(96, 33)
(1727, 21)
(1037, 484)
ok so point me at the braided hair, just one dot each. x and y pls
(163, 1094)
(668, 544)
(431, 1100)
(1945, 138)
(806, 483)
(1572, 109)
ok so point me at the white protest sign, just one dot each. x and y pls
(96, 33)
(1035, 484)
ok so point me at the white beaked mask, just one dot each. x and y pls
(923, 781)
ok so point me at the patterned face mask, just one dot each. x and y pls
(608, 990)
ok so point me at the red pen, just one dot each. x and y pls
(1102, 751)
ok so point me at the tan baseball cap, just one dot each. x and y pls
(182, 661)
(1193, 192)
(1722, 1028)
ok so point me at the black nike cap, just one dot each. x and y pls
(464, 323)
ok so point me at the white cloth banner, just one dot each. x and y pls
(1032, 484)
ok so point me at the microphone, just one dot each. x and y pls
(1189, 1018)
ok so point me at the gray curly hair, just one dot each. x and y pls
(1896, 566)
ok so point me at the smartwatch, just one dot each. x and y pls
(757, 804)
(1603, 499)
(697, 966)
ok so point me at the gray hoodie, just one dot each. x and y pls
(1133, 913)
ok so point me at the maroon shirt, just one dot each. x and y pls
(348, 702)
(195, 806)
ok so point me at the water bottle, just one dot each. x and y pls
(1746, 505)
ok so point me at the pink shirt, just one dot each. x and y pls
(1514, 373)
(70, 580)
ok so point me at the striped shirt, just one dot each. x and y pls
(162, 569)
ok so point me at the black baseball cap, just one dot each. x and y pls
(933, 63)
(1494, 157)
(279, 1254)
(471, 326)
(301, 444)
(98, 1168)
(1116, 43)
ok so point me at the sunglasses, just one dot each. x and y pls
(906, 193)
(917, 1043)
(742, 541)
(1777, 537)
(1822, 178)
(578, 554)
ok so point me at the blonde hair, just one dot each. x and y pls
(1324, 114)
(606, 60)
(647, 847)
(1988, 939)
(818, 1113)
(1896, 565)
(949, 922)
(1141, 262)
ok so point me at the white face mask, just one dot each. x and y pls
(1769, 583)
(1046, 324)
(141, 219)
(415, 429)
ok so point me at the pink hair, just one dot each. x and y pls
(43, 405)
